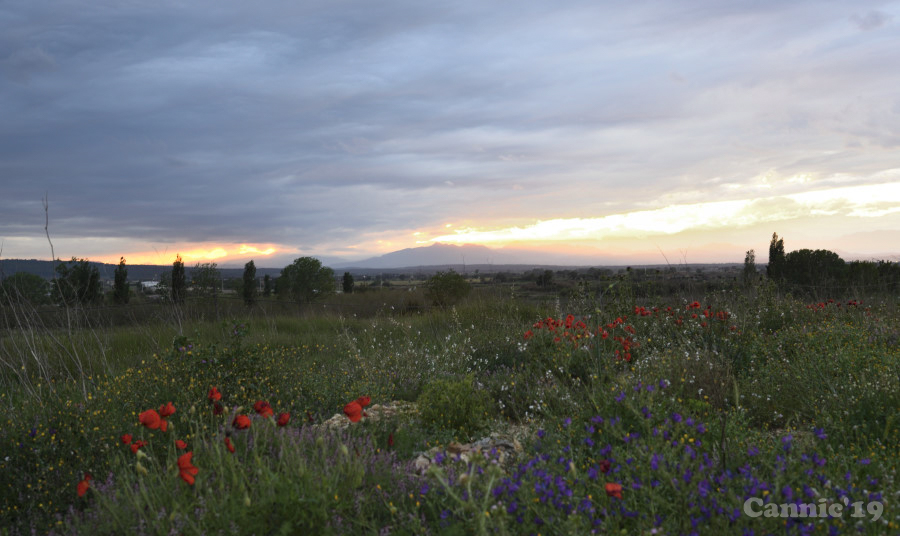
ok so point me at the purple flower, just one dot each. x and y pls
(620, 397)
(567, 422)
(752, 451)
(820, 433)
(865, 461)
(786, 442)
(541, 433)
(676, 417)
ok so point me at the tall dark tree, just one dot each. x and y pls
(775, 268)
(249, 289)
(178, 282)
(267, 285)
(305, 280)
(76, 283)
(121, 292)
(348, 283)
(750, 267)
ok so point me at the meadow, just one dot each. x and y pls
(629, 415)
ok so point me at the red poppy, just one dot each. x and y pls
(363, 401)
(214, 395)
(218, 409)
(614, 490)
(180, 445)
(166, 410)
(126, 439)
(309, 417)
(137, 445)
(283, 419)
(529, 334)
(186, 469)
(604, 466)
(241, 422)
(84, 484)
(263, 408)
(353, 411)
(391, 439)
(228, 445)
(150, 419)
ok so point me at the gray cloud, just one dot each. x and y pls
(312, 121)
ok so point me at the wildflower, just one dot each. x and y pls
(604, 466)
(217, 408)
(529, 334)
(820, 433)
(166, 410)
(353, 411)
(186, 469)
(241, 422)
(614, 490)
(283, 419)
(84, 484)
(126, 439)
(309, 417)
(229, 445)
(214, 395)
(150, 419)
(263, 408)
(136, 446)
(180, 445)
(364, 401)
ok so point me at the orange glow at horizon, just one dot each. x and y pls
(192, 254)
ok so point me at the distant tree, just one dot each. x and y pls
(207, 279)
(76, 283)
(775, 268)
(121, 292)
(305, 280)
(249, 289)
(179, 287)
(348, 283)
(750, 267)
(267, 285)
(545, 279)
(446, 288)
(820, 268)
(24, 287)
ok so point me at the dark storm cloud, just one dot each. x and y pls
(225, 121)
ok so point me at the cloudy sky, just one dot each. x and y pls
(227, 130)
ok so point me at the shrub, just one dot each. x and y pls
(446, 288)
(453, 404)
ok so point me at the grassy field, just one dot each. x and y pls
(633, 416)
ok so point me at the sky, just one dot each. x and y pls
(226, 130)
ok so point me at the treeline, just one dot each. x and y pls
(822, 272)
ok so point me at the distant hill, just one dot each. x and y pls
(436, 255)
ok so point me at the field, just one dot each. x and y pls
(734, 411)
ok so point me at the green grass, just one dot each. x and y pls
(771, 387)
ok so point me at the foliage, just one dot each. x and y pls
(347, 283)
(446, 288)
(25, 287)
(121, 292)
(267, 285)
(248, 288)
(76, 282)
(207, 279)
(775, 268)
(179, 285)
(749, 272)
(305, 280)
(454, 405)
